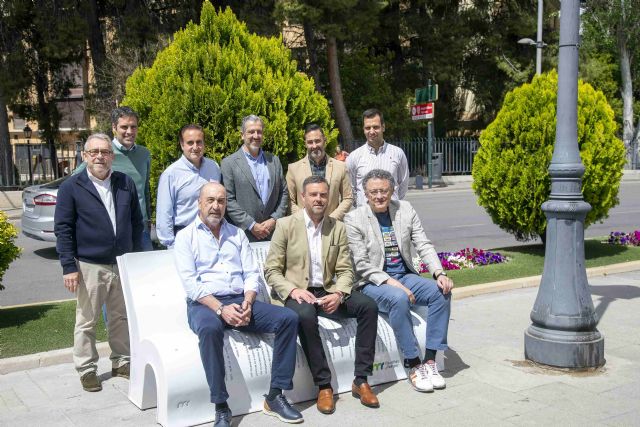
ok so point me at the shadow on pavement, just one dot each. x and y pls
(611, 293)
(453, 363)
(47, 253)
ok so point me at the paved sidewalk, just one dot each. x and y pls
(488, 381)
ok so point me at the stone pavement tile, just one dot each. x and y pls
(629, 419)
(494, 401)
(40, 417)
(465, 415)
(10, 403)
(503, 355)
(7, 381)
(627, 391)
(349, 412)
(577, 400)
(505, 377)
(615, 373)
(551, 416)
(122, 413)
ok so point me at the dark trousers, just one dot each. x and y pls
(264, 318)
(358, 305)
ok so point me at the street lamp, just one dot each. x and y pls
(27, 135)
(539, 44)
(563, 331)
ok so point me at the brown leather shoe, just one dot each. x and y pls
(365, 394)
(326, 404)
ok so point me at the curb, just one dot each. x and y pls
(65, 355)
(534, 281)
(47, 358)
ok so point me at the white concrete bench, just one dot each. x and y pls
(166, 370)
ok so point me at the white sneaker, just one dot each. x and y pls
(431, 370)
(419, 379)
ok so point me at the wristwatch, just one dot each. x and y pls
(219, 310)
(442, 273)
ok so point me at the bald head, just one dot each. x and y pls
(212, 204)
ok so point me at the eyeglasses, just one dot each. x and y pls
(96, 151)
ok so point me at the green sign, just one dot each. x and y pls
(427, 94)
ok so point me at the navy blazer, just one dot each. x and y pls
(82, 225)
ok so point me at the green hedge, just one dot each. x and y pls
(510, 170)
(214, 74)
(8, 250)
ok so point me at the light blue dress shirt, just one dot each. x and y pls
(178, 192)
(208, 266)
(260, 174)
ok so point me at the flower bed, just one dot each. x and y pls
(622, 238)
(464, 258)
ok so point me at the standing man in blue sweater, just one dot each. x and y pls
(97, 218)
(133, 160)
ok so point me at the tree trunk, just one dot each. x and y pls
(96, 45)
(6, 152)
(47, 116)
(342, 118)
(627, 89)
(312, 53)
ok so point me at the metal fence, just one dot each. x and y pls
(32, 164)
(456, 154)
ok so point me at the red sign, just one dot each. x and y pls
(422, 111)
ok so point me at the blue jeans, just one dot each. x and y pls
(264, 318)
(395, 303)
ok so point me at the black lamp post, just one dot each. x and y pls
(27, 135)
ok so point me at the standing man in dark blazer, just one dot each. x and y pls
(256, 189)
(97, 218)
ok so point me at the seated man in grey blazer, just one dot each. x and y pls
(380, 235)
(256, 189)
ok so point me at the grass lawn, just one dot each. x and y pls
(27, 330)
(529, 261)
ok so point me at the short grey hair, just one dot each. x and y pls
(101, 136)
(250, 118)
(378, 174)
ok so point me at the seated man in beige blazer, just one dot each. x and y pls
(316, 162)
(308, 250)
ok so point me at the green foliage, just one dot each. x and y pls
(510, 171)
(214, 74)
(8, 250)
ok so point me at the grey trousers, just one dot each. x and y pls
(99, 284)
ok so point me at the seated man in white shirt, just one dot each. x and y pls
(221, 279)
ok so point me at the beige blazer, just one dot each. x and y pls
(340, 191)
(367, 247)
(287, 264)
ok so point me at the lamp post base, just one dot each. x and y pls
(564, 349)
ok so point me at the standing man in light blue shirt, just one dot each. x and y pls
(221, 280)
(256, 189)
(180, 183)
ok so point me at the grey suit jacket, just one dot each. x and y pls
(244, 205)
(367, 247)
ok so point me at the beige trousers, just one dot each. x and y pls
(99, 284)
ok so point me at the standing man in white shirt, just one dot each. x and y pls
(180, 185)
(97, 218)
(377, 154)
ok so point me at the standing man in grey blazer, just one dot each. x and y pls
(381, 235)
(256, 189)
